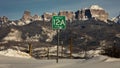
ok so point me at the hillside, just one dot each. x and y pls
(85, 35)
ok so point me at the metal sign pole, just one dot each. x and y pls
(57, 46)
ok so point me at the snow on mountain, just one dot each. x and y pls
(20, 23)
(46, 35)
(96, 7)
(50, 34)
(36, 17)
(14, 35)
(27, 21)
(116, 19)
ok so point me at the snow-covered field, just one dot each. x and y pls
(14, 53)
(16, 59)
(96, 62)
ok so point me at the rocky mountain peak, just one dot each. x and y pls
(116, 19)
(26, 16)
(94, 12)
(4, 19)
(96, 7)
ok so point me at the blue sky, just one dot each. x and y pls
(14, 9)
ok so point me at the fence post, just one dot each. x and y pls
(30, 49)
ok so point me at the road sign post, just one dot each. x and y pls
(58, 22)
(58, 46)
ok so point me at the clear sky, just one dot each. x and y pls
(14, 9)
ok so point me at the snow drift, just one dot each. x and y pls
(14, 53)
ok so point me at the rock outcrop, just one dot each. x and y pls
(36, 17)
(3, 19)
(98, 13)
(94, 11)
(26, 17)
(48, 16)
(68, 14)
(116, 19)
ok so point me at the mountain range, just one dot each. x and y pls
(86, 27)
(92, 12)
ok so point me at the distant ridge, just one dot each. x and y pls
(93, 12)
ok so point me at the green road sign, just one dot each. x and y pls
(58, 22)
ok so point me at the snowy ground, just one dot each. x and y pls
(16, 59)
(96, 62)
(14, 53)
